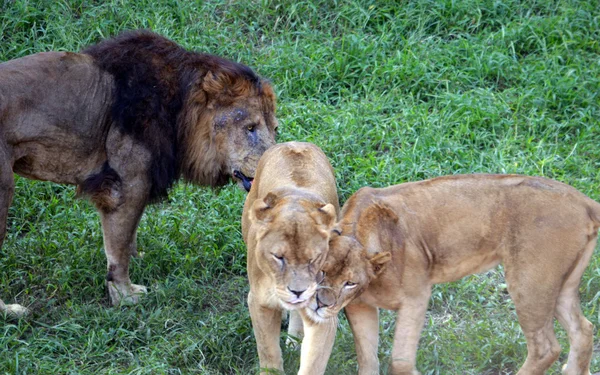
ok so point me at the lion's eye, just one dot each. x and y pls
(251, 128)
(278, 257)
(320, 277)
(349, 285)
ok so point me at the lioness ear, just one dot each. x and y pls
(325, 215)
(379, 261)
(378, 228)
(261, 208)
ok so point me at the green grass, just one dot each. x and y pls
(392, 92)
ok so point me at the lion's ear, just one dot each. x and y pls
(325, 215)
(214, 83)
(379, 260)
(261, 208)
(378, 228)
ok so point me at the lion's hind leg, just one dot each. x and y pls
(568, 313)
(7, 189)
(534, 296)
(295, 330)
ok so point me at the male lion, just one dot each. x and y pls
(287, 220)
(123, 120)
(396, 242)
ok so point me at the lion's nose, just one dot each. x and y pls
(298, 293)
(322, 302)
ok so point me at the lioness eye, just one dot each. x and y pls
(278, 257)
(321, 277)
(349, 285)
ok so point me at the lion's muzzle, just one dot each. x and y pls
(246, 181)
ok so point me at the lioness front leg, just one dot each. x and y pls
(119, 229)
(316, 345)
(364, 322)
(409, 323)
(266, 323)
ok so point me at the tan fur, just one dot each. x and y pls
(397, 242)
(57, 124)
(286, 224)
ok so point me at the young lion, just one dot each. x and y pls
(395, 243)
(286, 224)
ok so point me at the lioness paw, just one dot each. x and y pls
(125, 294)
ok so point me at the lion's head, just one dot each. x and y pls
(229, 123)
(291, 244)
(360, 248)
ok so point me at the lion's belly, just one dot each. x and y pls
(474, 263)
(64, 164)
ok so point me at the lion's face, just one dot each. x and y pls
(348, 270)
(229, 123)
(291, 245)
(244, 131)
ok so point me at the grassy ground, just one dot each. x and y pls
(392, 91)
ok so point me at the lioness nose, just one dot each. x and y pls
(297, 292)
(322, 303)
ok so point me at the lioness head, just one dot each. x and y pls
(291, 244)
(360, 248)
(231, 122)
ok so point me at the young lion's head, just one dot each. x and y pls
(291, 244)
(360, 248)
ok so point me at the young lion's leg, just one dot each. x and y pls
(317, 345)
(568, 313)
(409, 324)
(7, 189)
(364, 321)
(266, 324)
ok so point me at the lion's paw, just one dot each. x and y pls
(293, 342)
(15, 311)
(128, 294)
(566, 371)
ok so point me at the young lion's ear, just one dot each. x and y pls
(325, 215)
(379, 261)
(261, 208)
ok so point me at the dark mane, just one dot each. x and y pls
(153, 77)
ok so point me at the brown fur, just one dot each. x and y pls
(286, 224)
(123, 121)
(397, 242)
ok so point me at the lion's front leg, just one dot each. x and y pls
(364, 322)
(119, 229)
(266, 324)
(317, 345)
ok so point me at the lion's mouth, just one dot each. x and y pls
(246, 181)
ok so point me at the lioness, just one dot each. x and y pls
(286, 224)
(396, 242)
(123, 120)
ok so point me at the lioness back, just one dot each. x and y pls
(297, 164)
